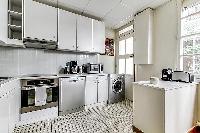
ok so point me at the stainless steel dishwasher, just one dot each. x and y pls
(71, 94)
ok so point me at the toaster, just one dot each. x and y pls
(181, 76)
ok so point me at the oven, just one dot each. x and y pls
(38, 94)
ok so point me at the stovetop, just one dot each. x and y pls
(4, 79)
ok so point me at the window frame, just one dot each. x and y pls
(126, 56)
(192, 36)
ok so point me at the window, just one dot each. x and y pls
(190, 39)
(127, 29)
(125, 56)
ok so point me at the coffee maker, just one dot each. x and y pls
(167, 74)
(71, 67)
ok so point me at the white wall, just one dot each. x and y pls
(14, 61)
(165, 42)
(108, 61)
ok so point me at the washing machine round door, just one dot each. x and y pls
(117, 86)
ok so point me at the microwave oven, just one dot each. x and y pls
(94, 68)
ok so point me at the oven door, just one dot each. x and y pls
(28, 98)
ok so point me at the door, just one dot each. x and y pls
(4, 21)
(102, 89)
(66, 30)
(40, 21)
(4, 115)
(98, 36)
(91, 90)
(84, 34)
(72, 94)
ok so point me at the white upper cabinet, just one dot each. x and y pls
(66, 30)
(40, 21)
(4, 21)
(98, 36)
(84, 34)
(143, 25)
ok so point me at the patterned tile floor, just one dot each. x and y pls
(114, 118)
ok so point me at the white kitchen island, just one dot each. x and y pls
(168, 107)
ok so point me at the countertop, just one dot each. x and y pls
(164, 85)
(49, 76)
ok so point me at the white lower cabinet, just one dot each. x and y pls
(91, 90)
(4, 115)
(9, 106)
(96, 89)
(102, 89)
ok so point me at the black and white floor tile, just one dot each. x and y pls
(114, 118)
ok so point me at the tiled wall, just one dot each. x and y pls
(17, 61)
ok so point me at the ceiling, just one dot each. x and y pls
(115, 13)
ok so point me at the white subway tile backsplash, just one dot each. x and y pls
(16, 61)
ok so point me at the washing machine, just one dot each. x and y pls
(116, 88)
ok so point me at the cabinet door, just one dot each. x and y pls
(98, 36)
(12, 110)
(129, 79)
(4, 115)
(143, 26)
(72, 94)
(84, 34)
(66, 30)
(91, 90)
(40, 21)
(102, 89)
(4, 21)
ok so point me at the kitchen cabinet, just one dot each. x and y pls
(91, 90)
(102, 89)
(84, 34)
(4, 114)
(11, 21)
(4, 21)
(66, 30)
(98, 36)
(96, 89)
(143, 45)
(129, 79)
(172, 106)
(40, 21)
(72, 94)
(10, 105)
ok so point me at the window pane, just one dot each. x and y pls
(129, 45)
(129, 66)
(126, 29)
(197, 65)
(188, 63)
(122, 47)
(187, 46)
(197, 45)
(121, 66)
(190, 25)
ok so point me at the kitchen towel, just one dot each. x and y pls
(40, 96)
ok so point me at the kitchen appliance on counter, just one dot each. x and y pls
(94, 68)
(167, 74)
(181, 76)
(116, 88)
(38, 93)
(71, 67)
